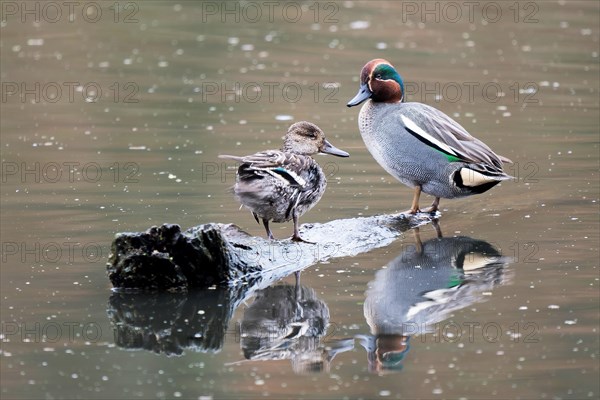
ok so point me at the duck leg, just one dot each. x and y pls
(297, 286)
(434, 206)
(269, 234)
(415, 203)
(437, 228)
(418, 242)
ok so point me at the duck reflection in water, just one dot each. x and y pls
(420, 288)
(288, 322)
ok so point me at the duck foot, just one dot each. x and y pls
(433, 209)
(297, 238)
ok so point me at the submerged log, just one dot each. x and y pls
(165, 258)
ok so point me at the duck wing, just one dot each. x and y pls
(438, 130)
(288, 168)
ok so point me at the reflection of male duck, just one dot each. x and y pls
(287, 322)
(420, 287)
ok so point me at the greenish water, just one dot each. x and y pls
(122, 132)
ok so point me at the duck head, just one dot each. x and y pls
(380, 82)
(307, 139)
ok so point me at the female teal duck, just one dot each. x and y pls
(279, 185)
(420, 146)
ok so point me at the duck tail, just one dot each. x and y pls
(228, 157)
(479, 177)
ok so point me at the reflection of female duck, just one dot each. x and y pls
(420, 287)
(286, 322)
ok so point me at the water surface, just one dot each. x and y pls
(182, 83)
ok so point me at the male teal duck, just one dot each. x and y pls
(419, 145)
(279, 185)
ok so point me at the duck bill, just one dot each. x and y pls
(328, 148)
(363, 94)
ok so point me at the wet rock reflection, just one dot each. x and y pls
(420, 288)
(170, 323)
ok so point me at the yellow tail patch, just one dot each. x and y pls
(473, 178)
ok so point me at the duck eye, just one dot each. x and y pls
(378, 76)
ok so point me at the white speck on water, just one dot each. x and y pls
(523, 308)
(163, 64)
(233, 41)
(259, 382)
(198, 152)
(201, 312)
(283, 117)
(74, 376)
(381, 46)
(570, 322)
(385, 393)
(137, 147)
(35, 42)
(247, 47)
(437, 391)
(528, 90)
(359, 24)
(171, 176)
(553, 307)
